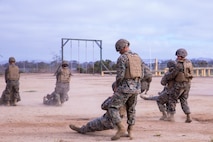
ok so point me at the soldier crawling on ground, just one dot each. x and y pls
(101, 123)
(51, 99)
(60, 94)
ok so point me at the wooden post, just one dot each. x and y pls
(156, 67)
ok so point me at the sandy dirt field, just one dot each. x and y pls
(31, 121)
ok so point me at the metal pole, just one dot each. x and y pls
(101, 54)
(62, 50)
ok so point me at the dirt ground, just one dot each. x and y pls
(35, 122)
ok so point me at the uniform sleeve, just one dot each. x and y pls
(189, 67)
(164, 80)
(6, 74)
(172, 74)
(147, 74)
(121, 68)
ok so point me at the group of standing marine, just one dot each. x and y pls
(133, 77)
(177, 82)
(10, 96)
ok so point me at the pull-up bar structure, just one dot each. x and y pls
(64, 41)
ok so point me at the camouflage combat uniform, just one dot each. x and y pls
(146, 80)
(51, 99)
(99, 124)
(183, 76)
(163, 98)
(60, 94)
(11, 94)
(102, 123)
(128, 88)
(182, 86)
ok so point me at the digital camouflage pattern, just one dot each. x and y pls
(62, 89)
(102, 123)
(60, 94)
(52, 99)
(127, 91)
(163, 99)
(182, 85)
(99, 124)
(146, 80)
(11, 93)
(124, 85)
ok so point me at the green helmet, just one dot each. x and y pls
(120, 44)
(181, 52)
(12, 59)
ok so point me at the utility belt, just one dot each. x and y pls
(63, 82)
(137, 79)
(12, 80)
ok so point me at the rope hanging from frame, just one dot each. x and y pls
(71, 53)
(93, 57)
(86, 54)
(79, 57)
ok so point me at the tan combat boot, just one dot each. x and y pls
(120, 132)
(164, 116)
(188, 118)
(129, 130)
(75, 128)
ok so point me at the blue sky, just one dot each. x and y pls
(32, 29)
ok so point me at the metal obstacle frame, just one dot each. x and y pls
(64, 41)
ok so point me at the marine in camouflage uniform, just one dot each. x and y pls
(183, 76)
(163, 99)
(52, 99)
(60, 94)
(146, 80)
(102, 123)
(99, 124)
(10, 95)
(128, 86)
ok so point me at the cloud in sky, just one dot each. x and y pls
(32, 30)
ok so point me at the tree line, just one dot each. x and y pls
(90, 67)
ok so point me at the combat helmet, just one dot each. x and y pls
(12, 59)
(120, 44)
(181, 52)
(171, 63)
(65, 63)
